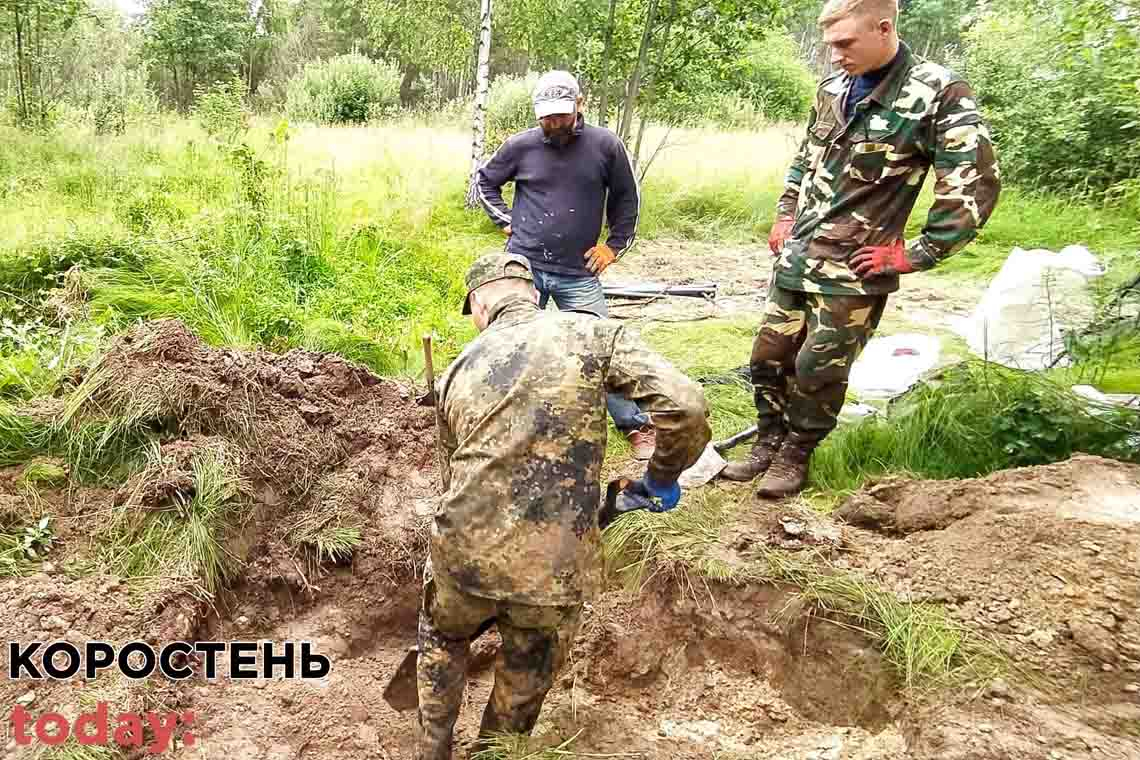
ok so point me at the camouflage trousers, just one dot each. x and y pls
(802, 357)
(536, 641)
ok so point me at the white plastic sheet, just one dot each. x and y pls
(1035, 300)
(890, 365)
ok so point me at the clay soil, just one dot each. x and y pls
(1042, 562)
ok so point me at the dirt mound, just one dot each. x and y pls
(288, 467)
(1041, 560)
(1086, 489)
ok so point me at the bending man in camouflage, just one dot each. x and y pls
(522, 419)
(877, 127)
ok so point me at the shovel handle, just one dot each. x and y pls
(722, 446)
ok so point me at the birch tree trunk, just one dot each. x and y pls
(635, 78)
(20, 80)
(651, 79)
(607, 50)
(483, 85)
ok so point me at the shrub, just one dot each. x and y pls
(510, 108)
(348, 89)
(774, 79)
(221, 111)
(1064, 110)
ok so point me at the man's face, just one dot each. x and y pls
(560, 126)
(479, 313)
(860, 43)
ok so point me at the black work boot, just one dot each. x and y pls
(788, 473)
(763, 451)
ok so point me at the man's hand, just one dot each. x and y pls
(599, 257)
(507, 230)
(668, 493)
(781, 230)
(879, 260)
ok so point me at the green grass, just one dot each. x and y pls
(1032, 220)
(181, 541)
(22, 436)
(976, 419)
(923, 645)
(515, 747)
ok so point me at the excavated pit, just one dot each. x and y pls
(728, 671)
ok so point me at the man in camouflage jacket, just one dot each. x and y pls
(878, 125)
(522, 426)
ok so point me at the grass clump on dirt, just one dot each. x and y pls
(971, 420)
(332, 534)
(22, 547)
(515, 747)
(174, 521)
(685, 546)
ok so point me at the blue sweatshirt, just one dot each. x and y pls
(560, 195)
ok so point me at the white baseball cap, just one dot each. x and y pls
(556, 93)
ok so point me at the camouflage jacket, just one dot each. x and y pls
(523, 426)
(855, 184)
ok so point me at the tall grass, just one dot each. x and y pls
(182, 541)
(975, 419)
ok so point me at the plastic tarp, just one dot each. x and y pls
(890, 365)
(1035, 300)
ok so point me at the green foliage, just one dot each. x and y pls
(772, 77)
(349, 89)
(19, 548)
(934, 27)
(220, 109)
(106, 74)
(976, 419)
(197, 43)
(510, 108)
(1058, 86)
(40, 33)
(422, 36)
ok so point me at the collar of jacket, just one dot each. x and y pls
(887, 91)
(579, 127)
(511, 311)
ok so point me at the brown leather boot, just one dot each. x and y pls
(788, 473)
(758, 460)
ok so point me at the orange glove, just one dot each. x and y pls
(599, 257)
(781, 230)
(878, 260)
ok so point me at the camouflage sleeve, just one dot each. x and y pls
(786, 205)
(967, 180)
(676, 403)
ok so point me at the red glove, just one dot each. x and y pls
(879, 260)
(781, 230)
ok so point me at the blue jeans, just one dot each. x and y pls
(585, 293)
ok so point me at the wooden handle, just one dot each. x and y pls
(429, 367)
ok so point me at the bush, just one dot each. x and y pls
(221, 111)
(774, 79)
(510, 108)
(1065, 114)
(348, 89)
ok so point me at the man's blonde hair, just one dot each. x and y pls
(834, 10)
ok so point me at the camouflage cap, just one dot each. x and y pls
(494, 266)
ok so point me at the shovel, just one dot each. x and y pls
(711, 462)
(402, 692)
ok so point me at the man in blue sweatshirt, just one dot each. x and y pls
(567, 174)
